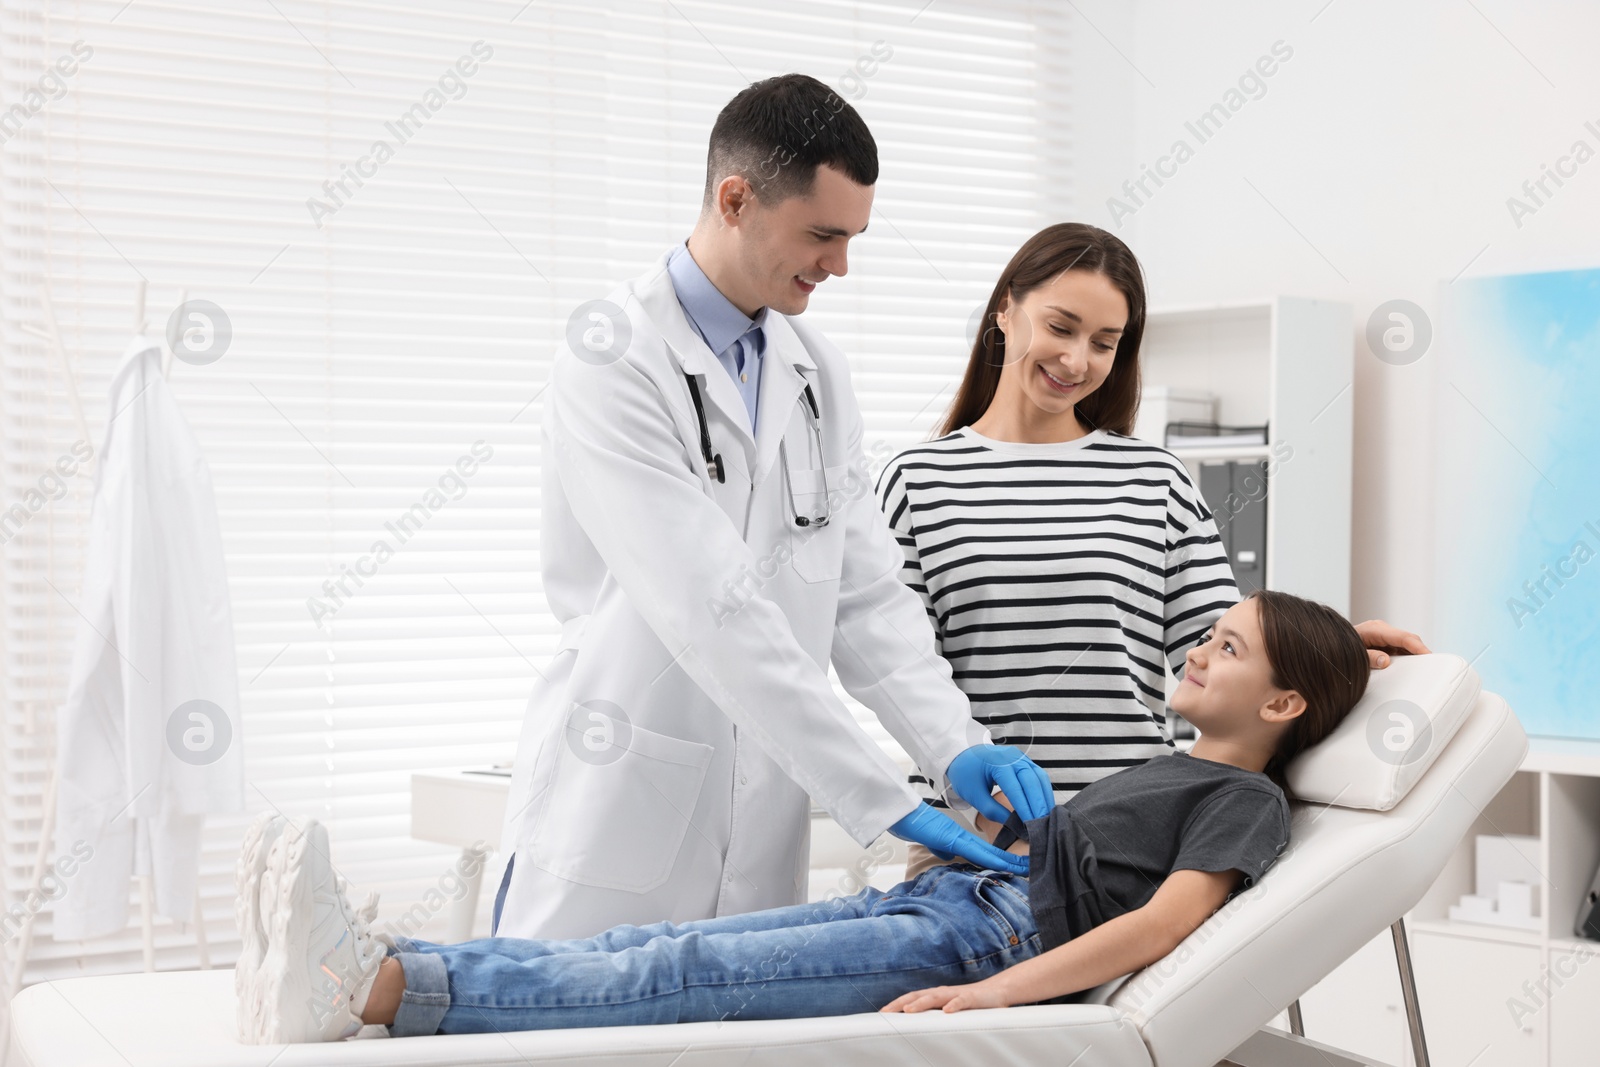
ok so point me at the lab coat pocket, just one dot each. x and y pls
(818, 550)
(618, 809)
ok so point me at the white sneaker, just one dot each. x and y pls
(321, 960)
(253, 854)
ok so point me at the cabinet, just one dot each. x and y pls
(1491, 996)
(1465, 986)
(1574, 969)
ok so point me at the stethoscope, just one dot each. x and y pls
(714, 459)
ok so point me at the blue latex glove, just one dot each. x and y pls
(942, 836)
(975, 772)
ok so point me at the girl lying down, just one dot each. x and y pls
(1118, 876)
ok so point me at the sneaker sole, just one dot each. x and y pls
(287, 994)
(282, 981)
(253, 851)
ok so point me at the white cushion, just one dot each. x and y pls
(1410, 711)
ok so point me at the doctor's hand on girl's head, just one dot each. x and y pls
(1384, 641)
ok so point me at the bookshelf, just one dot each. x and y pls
(1287, 362)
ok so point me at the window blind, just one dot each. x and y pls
(395, 206)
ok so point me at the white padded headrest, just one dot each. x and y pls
(1410, 711)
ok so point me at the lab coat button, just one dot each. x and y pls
(743, 780)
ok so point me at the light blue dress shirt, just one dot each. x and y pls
(737, 340)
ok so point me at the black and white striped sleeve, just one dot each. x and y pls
(1199, 581)
(897, 509)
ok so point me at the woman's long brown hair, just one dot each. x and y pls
(1316, 652)
(1042, 258)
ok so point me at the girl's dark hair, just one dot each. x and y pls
(776, 133)
(1316, 652)
(1042, 258)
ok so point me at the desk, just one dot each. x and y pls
(465, 808)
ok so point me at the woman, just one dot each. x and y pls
(1066, 566)
(1112, 887)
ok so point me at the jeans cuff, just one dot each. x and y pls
(426, 999)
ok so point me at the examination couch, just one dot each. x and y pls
(1375, 825)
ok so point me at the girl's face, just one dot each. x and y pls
(1227, 681)
(1061, 340)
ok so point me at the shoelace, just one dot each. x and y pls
(360, 921)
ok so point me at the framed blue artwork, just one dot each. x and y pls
(1517, 518)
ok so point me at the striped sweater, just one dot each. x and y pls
(1063, 580)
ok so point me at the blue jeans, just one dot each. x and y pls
(948, 926)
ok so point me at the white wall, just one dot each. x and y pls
(1390, 140)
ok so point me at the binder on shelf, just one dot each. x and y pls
(1236, 494)
(1212, 435)
(1588, 924)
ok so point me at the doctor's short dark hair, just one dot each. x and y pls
(777, 132)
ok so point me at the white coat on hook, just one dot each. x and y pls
(673, 746)
(149, 740)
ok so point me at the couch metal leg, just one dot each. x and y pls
(1269, 1047)
(1408, 990)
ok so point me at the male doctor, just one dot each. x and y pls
(709, 544)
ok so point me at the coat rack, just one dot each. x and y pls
(51, 334)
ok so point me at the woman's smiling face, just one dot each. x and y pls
(1061, 340)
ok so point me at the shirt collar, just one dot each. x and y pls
(713, 315)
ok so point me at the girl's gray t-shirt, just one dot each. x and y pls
(1105, 852)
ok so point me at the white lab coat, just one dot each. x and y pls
(156, 631)
(731, 722)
